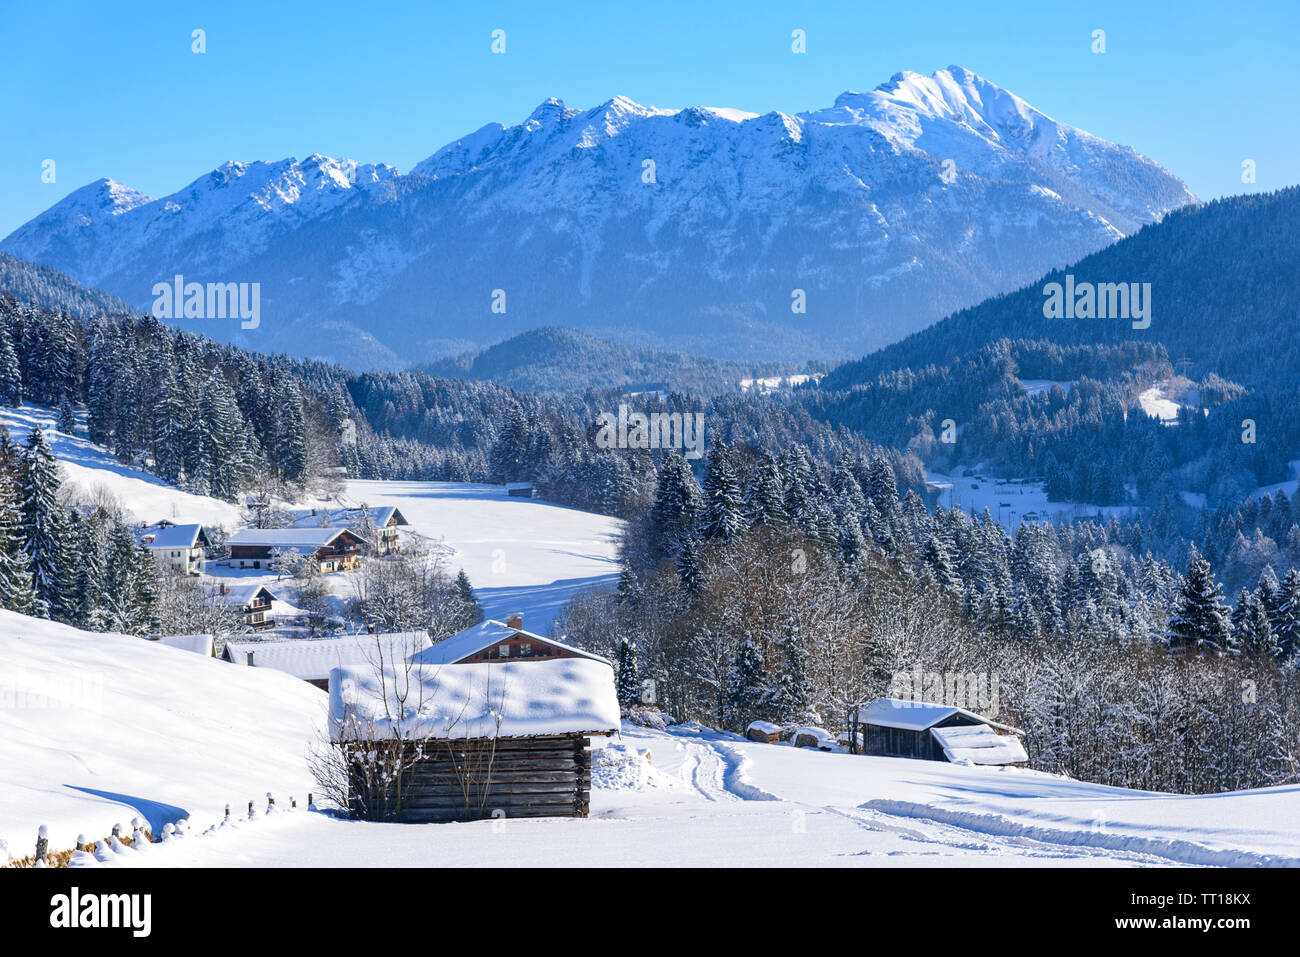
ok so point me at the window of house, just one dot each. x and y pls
(525, 648)
(503, 651)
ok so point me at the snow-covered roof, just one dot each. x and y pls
(513, 700)
(485, 634)
(979, 744)
(286, 537)
(241, 594)
(199, 644)
(916, 715)
(350, 517)
(170, 536)
(313, 658)
(766, 727)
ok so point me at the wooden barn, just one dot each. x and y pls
(896, 728)
(473, 741)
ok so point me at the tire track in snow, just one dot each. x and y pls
(720, 773)
(1005, 832)
(951, 839)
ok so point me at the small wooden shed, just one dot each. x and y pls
(459, 742)
(894, 727)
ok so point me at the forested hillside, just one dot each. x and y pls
(1222, 291)
(556, 359)
(51, 289)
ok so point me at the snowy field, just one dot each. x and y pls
(1011, 501)
(98, 729)
(705, 799)
(522, 555)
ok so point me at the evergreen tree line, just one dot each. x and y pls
(784, 590)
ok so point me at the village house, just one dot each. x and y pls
(312, 659)
(252, 599)
(377, 526)
(893, 727)
(175, 548)
(493, 640)
(334, 549)
(472, 741)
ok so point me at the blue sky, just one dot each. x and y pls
(114, 89)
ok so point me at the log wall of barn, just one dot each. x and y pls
(506, 777)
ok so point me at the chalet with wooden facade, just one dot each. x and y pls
(893, 727)
(252, 599)
(312, 659)
(510, 738)
(498, 641)
(334, 549)
(376, 526)
(176, 548)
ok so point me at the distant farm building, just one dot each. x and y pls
(176, 548)
(472, 741)
(521, 490)
(312, 659)
(252, 599)
(333, 549)
(493, 640)
(892, 727)
(377, 526)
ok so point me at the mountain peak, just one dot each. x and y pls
(104, 196)
(549, 110)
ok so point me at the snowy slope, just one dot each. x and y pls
(143, 497)
(889, 208)
(705, 799)
(97, 729)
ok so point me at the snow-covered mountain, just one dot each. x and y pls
(686, 228)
